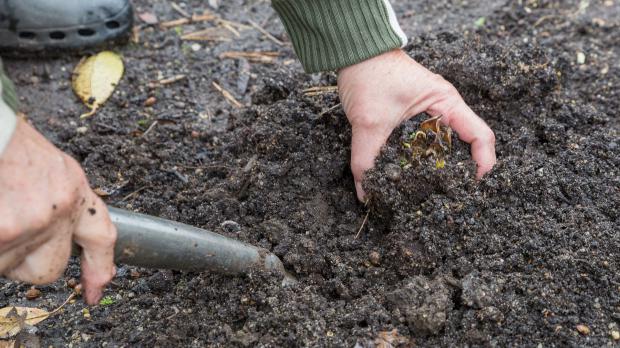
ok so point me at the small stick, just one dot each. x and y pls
(363, 224)
(174, 23)
(318, 90)
(265, 32)
(148, 130)
(172, 79)
(254, 57)
(230, 28)
(229, 97)
(330, 109)
(181, 11)
(209, 34)
(182, 21)
(133, 193)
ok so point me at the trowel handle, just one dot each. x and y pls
(152, 242)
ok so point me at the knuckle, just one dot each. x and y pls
(362, 118)
(9, 229)
(443, 87)
(487, 137)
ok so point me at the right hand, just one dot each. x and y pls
(45, 204)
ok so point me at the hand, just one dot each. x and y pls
(45, 203)
(380, 93)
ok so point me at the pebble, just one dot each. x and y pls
(33, 293)
(393, 172)
(134, 274)
(71, 283)
(150, 101)
(615, 335)
(583, 329)
(375, 258)
(231, 226)
(81, 130)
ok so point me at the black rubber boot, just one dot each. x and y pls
(39, 25)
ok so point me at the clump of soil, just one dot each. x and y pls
(520, 258)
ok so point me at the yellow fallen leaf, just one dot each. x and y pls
(7, 344)
(12, 323)
(95, 78)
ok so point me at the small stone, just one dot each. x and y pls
(150, 101)
(195, 134)
(581, 58)
(72, 283)
(231, 226)
(196, 47)
(33, 293)
(615, 335)
(583, 329)
(81, 130)
(134, 274)
(375, 258)
(393, 172)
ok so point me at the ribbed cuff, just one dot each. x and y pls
(8, 121)
(332, 34)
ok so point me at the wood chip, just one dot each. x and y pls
(228, 96)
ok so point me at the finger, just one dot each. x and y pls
(47, 262)
(473, 130)
(366, 143)
(96, 235)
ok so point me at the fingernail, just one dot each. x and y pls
(360, 191)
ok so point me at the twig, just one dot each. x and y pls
(174, 23)
(206, 16)
(148, 130)
(181, 11)
(265, 32)
(254, 57)
(209, 34)
(229, 97)
(133, 193)
(172, 79)
(330, 109)
(363, 224)
(318, 90)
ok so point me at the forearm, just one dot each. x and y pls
(332, 34)
(8, 119)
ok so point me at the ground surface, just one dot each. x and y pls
(520, 259)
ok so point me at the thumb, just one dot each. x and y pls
(96, 235)
(366, 143)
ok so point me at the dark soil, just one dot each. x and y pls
(518, 259)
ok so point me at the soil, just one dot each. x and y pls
(521, 258)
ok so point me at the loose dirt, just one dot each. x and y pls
(524, 257)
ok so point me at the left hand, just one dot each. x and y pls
(380, 93)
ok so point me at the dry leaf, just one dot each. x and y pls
(95, 78)
(7, 344)
(13, 319)
(148, 17)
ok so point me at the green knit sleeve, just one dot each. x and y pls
(332, 34)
